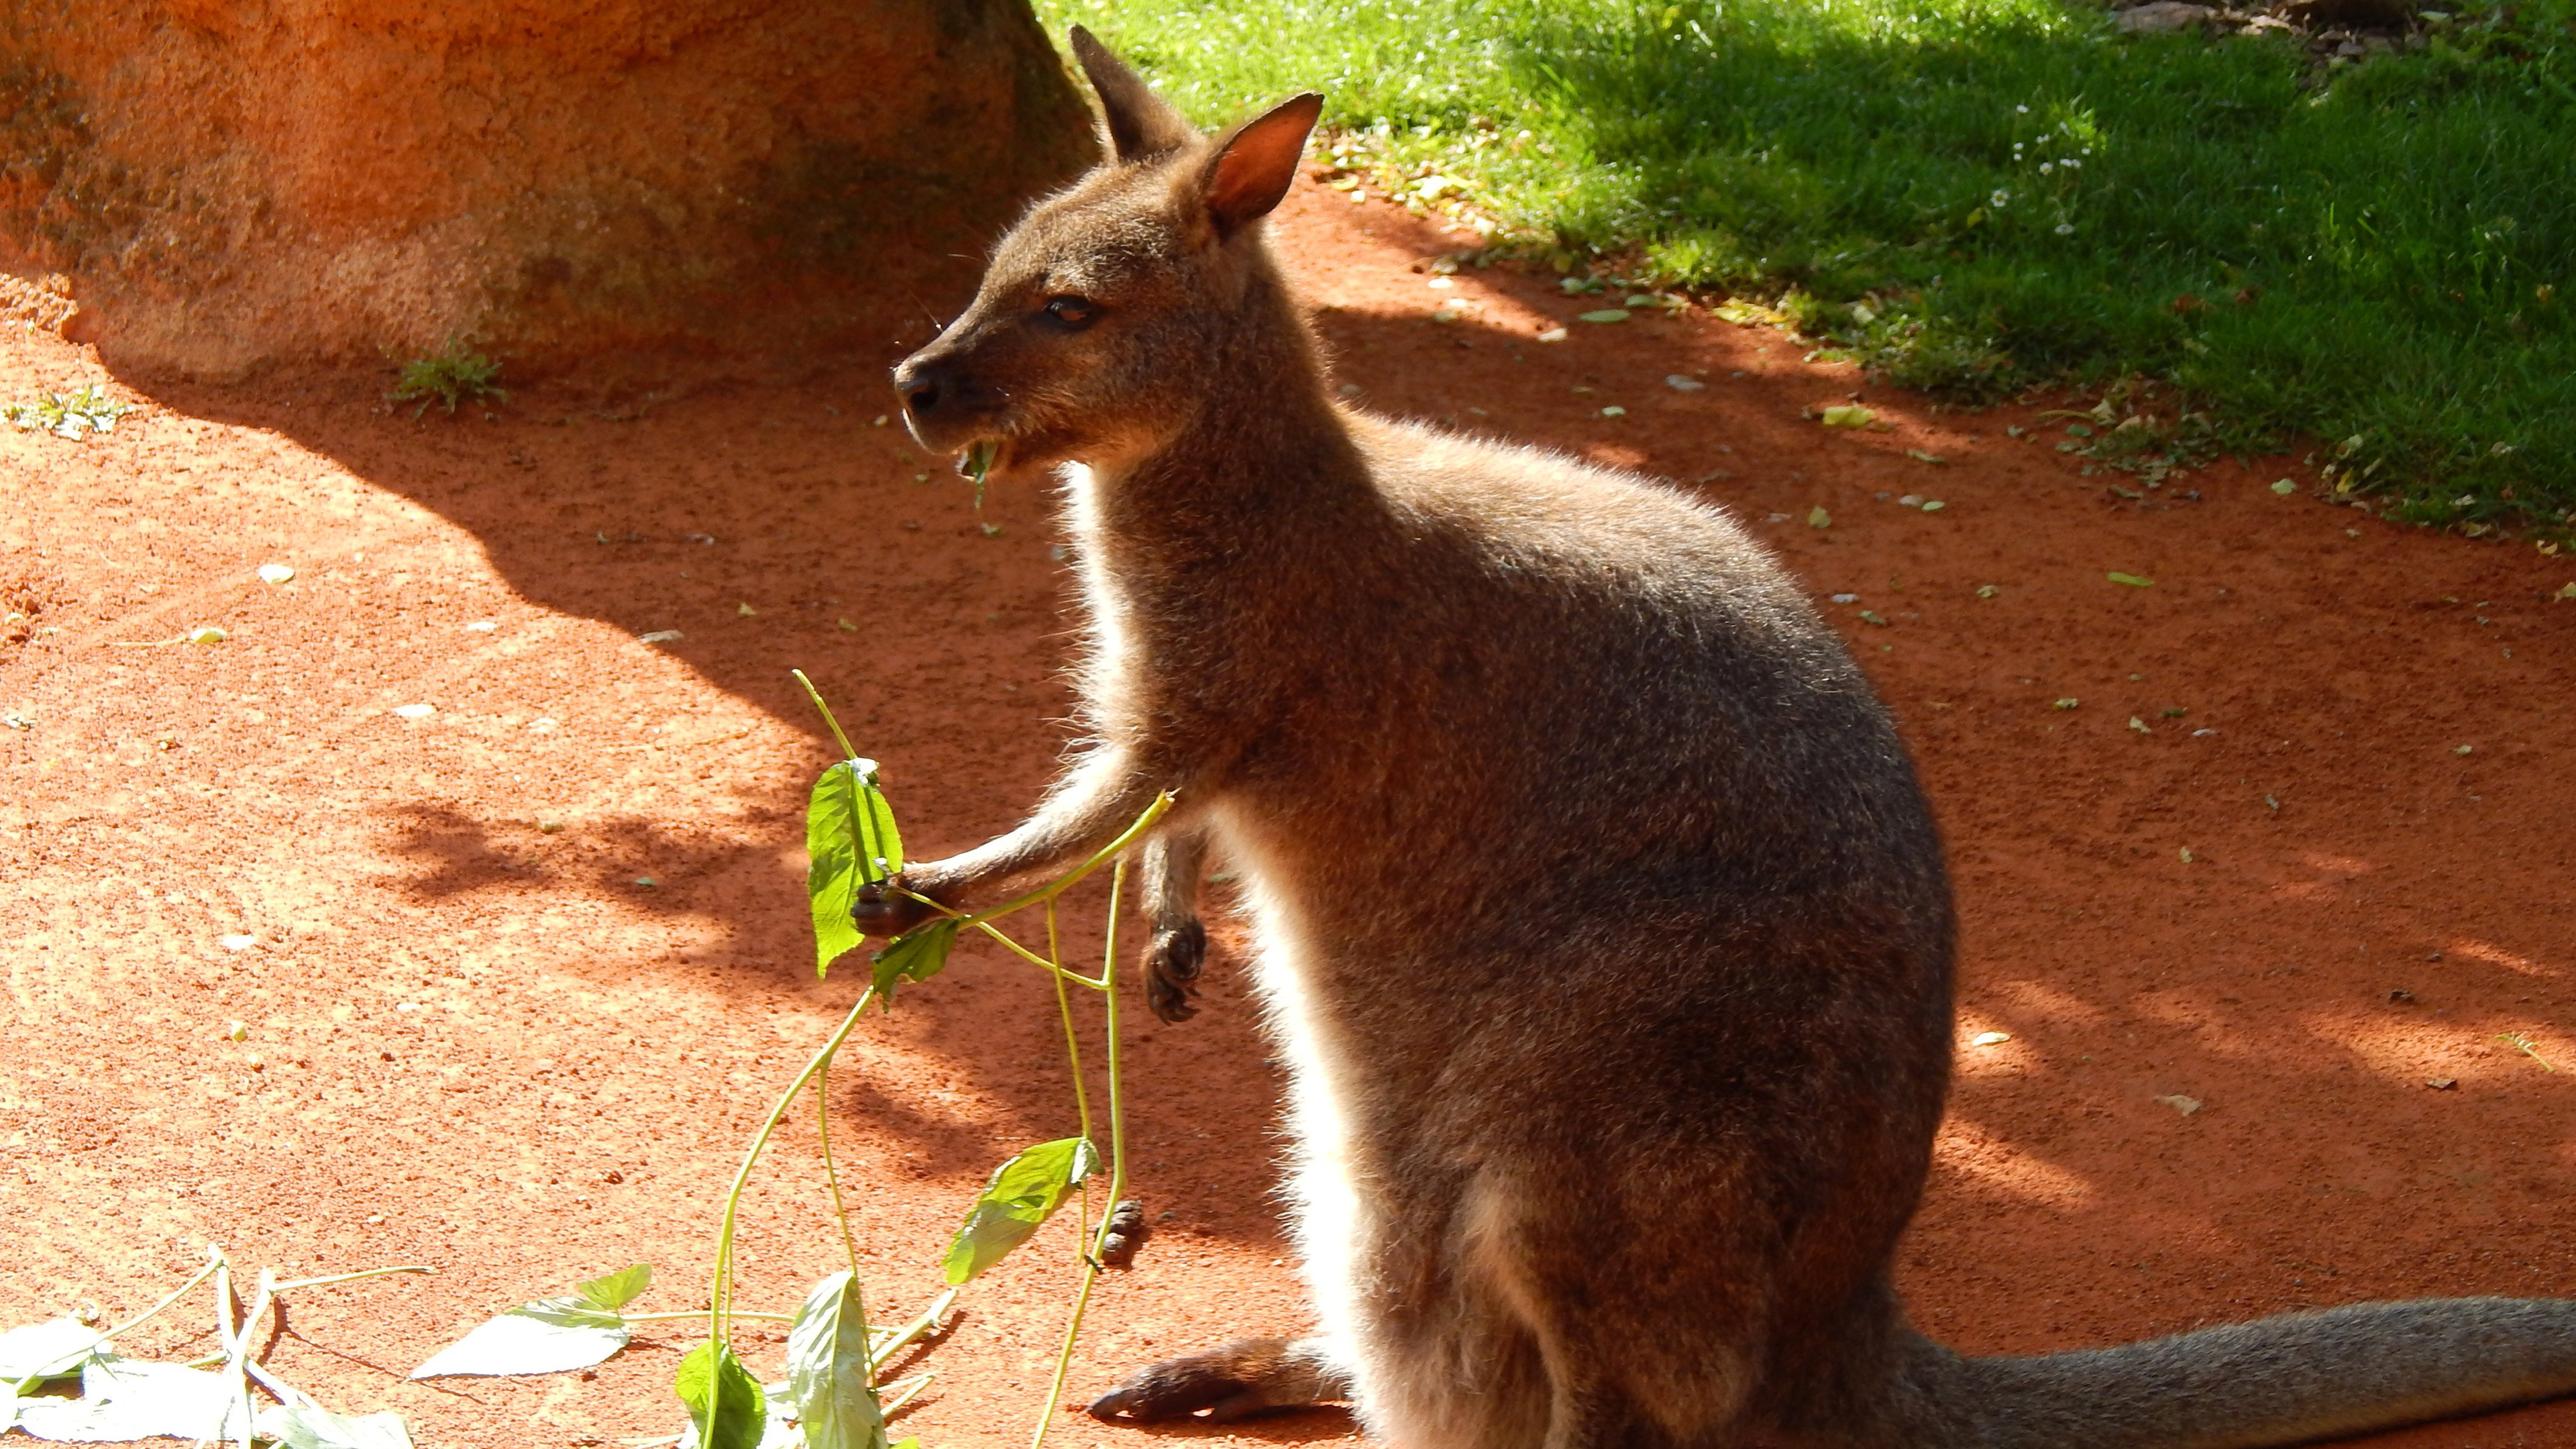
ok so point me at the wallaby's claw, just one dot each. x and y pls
(1233, 1382)
(1172, 966)
(882, 909)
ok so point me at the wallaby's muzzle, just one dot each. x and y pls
(942, 406)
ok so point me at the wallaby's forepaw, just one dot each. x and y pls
(882, 909)
(1251, 1376)
(1172, 966)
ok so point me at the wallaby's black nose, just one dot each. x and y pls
(922, 386)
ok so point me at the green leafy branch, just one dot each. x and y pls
(832, 1396)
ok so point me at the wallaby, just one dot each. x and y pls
(1600, 918)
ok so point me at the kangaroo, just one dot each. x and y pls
(1600, 918)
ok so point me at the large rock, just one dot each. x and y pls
(232, 183)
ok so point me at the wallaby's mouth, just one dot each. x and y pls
(980, 458)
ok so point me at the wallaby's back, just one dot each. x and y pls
(1601, 919)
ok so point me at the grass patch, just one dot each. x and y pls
(452, 376)
(1976, 196)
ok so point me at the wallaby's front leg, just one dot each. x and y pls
(1240, 1379)
(1087, 809)
(1178, 947)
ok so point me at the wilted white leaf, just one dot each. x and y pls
(312, 1428)
(415, 711)
(2180, 1103)
(275, 573)
(1990, 1038)
(51, 1350)
(545, 1337)
(123, 1398)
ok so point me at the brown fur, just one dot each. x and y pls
(1601, 919)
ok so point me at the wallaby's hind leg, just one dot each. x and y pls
(1178, 949)
(1247, 1377)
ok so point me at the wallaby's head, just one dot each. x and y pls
(1114, 308)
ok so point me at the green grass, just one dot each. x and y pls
(453, 376)
(2377, 256)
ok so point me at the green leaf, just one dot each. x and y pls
(916, 955)
(724, 1401)
(1607, 314)
(828, 1370)
(613, 1291)
(2134, 581)
(1024, 1193)
(850, 841)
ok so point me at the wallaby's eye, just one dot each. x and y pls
(1072, 313)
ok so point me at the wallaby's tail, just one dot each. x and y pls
(2286, 1380)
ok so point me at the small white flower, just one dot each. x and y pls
(2024, 110)
(2071, 164)
(2066, 228)
(1999, 198)
(2047, 166)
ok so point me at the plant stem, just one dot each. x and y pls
(1117, 1094)
(697, 1313)
(176, 1294)
(816, 695)
(325, 1282)
(906, 1390)
(832, 1178)
(1032, 957)
(1117, 1163)
(733, 1199)
(1073, 1053)
(1067, 881)
(903, 1337)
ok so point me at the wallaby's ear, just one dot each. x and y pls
(1141, 123)
(1252, 167)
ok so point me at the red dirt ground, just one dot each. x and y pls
(481, 1046)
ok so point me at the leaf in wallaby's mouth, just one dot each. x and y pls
(976, 463)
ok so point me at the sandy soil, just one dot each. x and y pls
(480, 1045)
